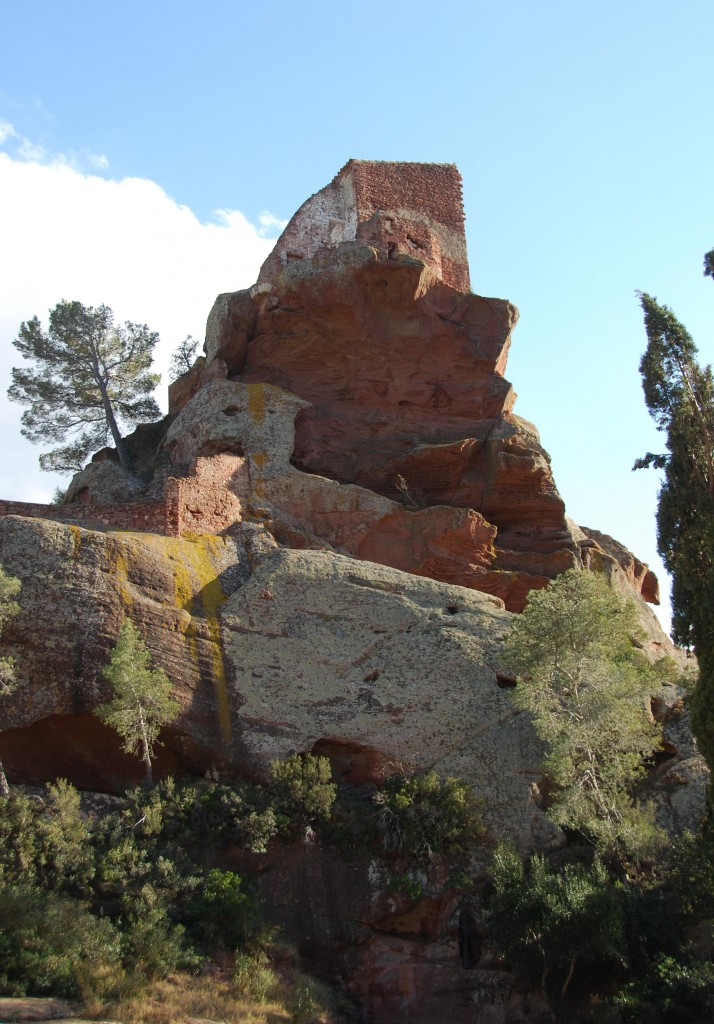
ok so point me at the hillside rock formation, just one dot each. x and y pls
(351, 405)
(347, 513)
(270, 651)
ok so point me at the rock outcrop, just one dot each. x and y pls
(351, 409)
(347, 512)
(270, 651)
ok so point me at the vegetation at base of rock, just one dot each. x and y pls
(424, 815)
(570, 926)
(145, 886)
(144, 881)
(9, 589)
(679, 394)
(588, 688)
(141, 703)
(88, 375)
(547, 922)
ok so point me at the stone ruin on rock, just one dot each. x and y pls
(408, 208)
(354, 400)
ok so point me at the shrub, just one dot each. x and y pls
(46, 843)
(302, 789)
(221, 913)
(253, 975)
(423, 815)
(52, 945)
(587, 688)
(546, 922)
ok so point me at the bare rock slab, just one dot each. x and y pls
(378, 668)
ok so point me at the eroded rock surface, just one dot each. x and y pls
(312, 650)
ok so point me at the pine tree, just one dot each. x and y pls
(586, 687)
(89, 374)
(183, 357)
(142, 702)
(679, 394)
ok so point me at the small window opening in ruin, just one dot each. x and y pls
(391, 250)
(291, 256)
(415, 243)
(388, 223)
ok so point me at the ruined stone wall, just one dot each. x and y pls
(196, 505)
(147, 516)
(319, 222)
(434, 190)
(410, 208)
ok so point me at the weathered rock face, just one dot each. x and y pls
(311, 651)
(402, 393)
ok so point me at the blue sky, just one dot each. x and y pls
(141, 144)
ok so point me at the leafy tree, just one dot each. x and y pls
(587, 687)
(88, 375)
(183, 356)
(679, 394)
(9, 588)
(546, 922)
(142, 701)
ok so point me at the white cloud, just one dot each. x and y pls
(68, 235)
(98, 160)
(6, 132)
(270, 224)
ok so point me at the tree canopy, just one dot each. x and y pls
(142, 701)
(587, 688)
(183, 357)
(87, 376)
(679, 394)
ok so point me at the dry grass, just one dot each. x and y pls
(182, 997)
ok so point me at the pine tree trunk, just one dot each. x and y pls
(4, 787)
(146, 753)
(149, 770)
(118, 439)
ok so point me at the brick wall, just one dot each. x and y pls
(432, 189)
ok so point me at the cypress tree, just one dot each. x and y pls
(679, 394)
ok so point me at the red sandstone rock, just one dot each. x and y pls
(404, 380)
(185, 387)
(639, 575)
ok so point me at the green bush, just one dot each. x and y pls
(678, 990)
(423, 815)
(50, 945)
(303, 790)
(253, 975)
(221, 914)
(46, 842)
(546, 922)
